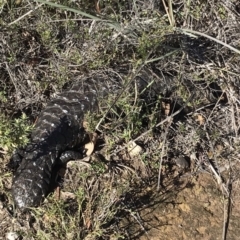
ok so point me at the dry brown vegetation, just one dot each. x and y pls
(184, 126)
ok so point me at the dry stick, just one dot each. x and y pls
(199, 109)
(128, 168)
(234, 125)
(233, 121)
(166, 9)
(217, 175)
(161, 159)
(138, 219)
(216, 104)
(188, 31)
(227, 211)
(167, 119)
(171, 12)
(11, 77)
(224, 232)
(162, 57)
(210, 165)
(69, 19)
(24, 15)
(187, 7)
(162, 154)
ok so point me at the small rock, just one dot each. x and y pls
(12, 236)
(134, 149)
(182, 162)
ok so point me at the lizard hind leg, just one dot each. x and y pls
(70, 155)
(16, 159)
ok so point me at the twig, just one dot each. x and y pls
(217, 175)
(148, 131)
(138, 219)
(162, 57)
(161, 159)
(227, 210)
(183, 30)
(216, 104)
(199, 109)
(10, 75)
(167, 119)
(128, 168)
(171, 12)
(166, 9)
(24, 15)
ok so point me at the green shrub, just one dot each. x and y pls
(14, 132)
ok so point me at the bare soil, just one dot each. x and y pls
(195, 212)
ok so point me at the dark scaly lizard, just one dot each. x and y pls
(58, 128)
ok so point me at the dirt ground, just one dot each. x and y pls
(195, 209)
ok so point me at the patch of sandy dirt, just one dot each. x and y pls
(196, 211)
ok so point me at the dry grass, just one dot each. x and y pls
(191, 52)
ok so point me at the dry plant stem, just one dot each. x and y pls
(11, 77)
(69, 19)
(136, 94)
(162, 57)
(186, 7)
(234, 122)
(161, 159)
(217, 175)
(224, 233)
(167, 119)
(216, 104)
(227, 210)
(185, 31)
(128, 168)
(199, 109)
(233, 100)
(26, 14)
(138, 219)
(171, 12)
(167, 12)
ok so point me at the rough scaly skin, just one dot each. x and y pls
(59, 127)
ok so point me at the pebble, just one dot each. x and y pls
(12, 236)
(182, 162)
